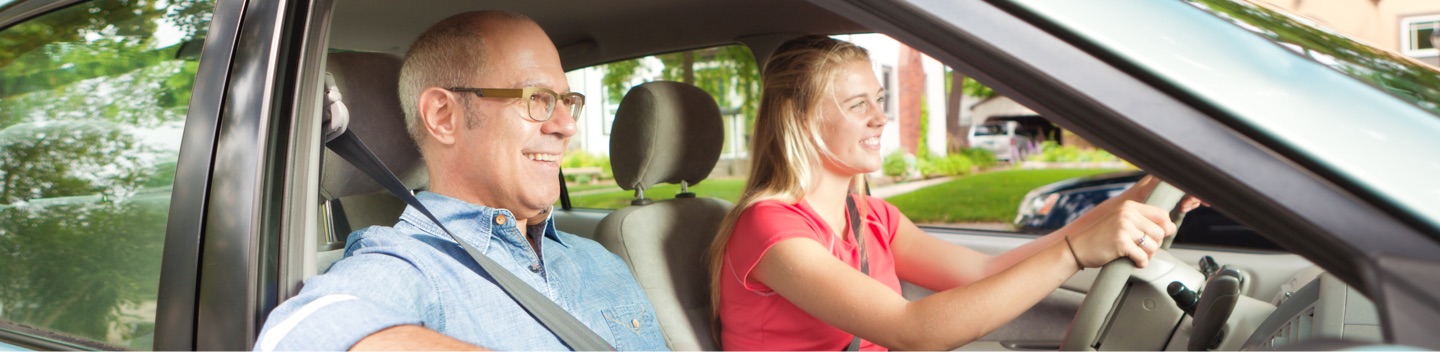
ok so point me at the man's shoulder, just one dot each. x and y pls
(391, 240)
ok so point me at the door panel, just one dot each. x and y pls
(1048, 321)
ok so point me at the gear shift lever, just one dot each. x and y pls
(1217, 301)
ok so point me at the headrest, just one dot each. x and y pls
(665, 132)
(367, 84)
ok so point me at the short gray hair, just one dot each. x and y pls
(451, 53)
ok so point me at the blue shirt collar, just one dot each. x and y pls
(464, 219)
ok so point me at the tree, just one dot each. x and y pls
(728, 73)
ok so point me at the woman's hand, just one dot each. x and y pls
(1123, 228)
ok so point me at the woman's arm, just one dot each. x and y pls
(984, 294)
(938, 265)
(805, 273)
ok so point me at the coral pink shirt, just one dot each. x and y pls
(753, 317)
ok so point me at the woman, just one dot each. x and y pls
(786, 265)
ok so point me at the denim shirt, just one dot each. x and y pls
(413, 273)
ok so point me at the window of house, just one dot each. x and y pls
(1415, 34)
(93, 99)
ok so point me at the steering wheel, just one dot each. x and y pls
(1101, 301)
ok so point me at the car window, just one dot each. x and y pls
(93, 100)
(729, 73)
(943, 166)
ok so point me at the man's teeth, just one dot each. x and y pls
(543, 157)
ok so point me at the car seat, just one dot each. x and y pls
(367, 86)
(668, 132)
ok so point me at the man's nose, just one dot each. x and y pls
(561, 122)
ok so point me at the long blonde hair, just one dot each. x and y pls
(786, 150)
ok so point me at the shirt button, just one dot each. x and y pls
(635, 323)
(534, 268)
(499, 219)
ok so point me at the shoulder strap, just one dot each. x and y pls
(571, 331)
(855, 221)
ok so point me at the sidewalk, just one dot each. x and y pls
(895, 189)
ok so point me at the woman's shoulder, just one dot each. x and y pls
(774, 215)
(774, 208)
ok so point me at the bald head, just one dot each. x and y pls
(454, 52)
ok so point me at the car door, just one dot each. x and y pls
(171, 242)
(1087, 88)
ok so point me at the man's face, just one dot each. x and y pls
(507, 159)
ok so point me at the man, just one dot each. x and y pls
(493, 162)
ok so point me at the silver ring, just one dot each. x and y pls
(1141, 241)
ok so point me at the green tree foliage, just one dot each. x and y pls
(729, 73)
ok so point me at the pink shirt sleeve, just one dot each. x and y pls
(758, 229)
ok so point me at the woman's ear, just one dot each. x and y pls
(441, 114)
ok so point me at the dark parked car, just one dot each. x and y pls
(1051, 206)
(164, 184)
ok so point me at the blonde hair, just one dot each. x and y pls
(451, 53)
(786, 150)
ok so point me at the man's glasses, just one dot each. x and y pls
(540, 102)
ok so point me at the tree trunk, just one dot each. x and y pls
(955, 131)
(688, 68)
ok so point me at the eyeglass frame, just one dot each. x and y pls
(522, 93)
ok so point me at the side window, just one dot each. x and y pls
(93, 100)
(728, 73)
(957, 154)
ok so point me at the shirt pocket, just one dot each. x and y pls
(634, 327)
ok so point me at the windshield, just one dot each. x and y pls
(1400, 76)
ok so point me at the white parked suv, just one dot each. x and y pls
(1000, 138)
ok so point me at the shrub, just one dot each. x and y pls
(949, 165)
(579, 159)
(981, 157)
(1053, 152)
(895, 165)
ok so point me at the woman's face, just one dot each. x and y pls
(852, 117)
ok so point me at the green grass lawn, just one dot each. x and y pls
(988, 197)
(727, 189)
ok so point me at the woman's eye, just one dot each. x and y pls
(857, 106)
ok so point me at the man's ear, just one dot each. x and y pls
(441, 114)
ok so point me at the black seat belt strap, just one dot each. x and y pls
(571, 331)
(855, 221)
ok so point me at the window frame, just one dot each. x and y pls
(1407, 35)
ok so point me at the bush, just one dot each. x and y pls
(981, 157)
(895, 165)
(949, 165)
(579, 159)
(1053, 152)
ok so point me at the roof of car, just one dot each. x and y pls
(594, 32)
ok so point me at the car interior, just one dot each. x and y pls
(666, 133)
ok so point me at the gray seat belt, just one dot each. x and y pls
(855, 221)
(571, 331)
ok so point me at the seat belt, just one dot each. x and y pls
(348, 146)
(855, 221)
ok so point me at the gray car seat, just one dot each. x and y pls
(668, 132)
(366, 85)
